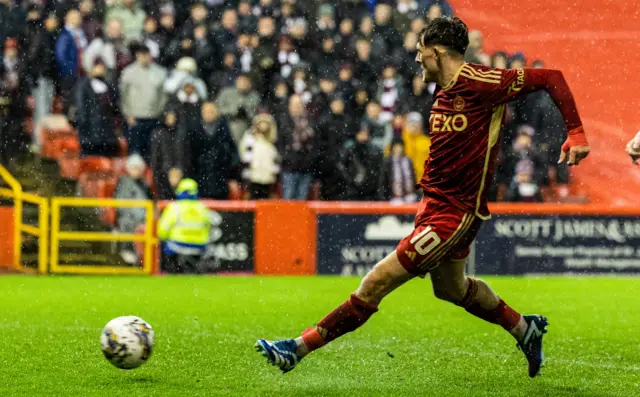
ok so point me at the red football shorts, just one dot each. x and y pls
(441, 232)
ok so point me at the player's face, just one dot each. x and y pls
(426, 58)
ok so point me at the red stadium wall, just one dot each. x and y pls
(595, 43)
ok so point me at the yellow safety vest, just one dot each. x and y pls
(186, 222)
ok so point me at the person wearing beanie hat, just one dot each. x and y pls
(132, 186)
(186, 69)
(183, 229)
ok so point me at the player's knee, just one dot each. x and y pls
(453, 293)
(374, 286)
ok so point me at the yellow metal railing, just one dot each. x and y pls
(41, 231)
(57, 235)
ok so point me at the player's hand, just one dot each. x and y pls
(633, 149)
(575, 148)
(576, 155)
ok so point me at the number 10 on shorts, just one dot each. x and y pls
(425, 241)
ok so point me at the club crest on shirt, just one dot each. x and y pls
(458, 103)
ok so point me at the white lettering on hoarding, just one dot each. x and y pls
(612, 230)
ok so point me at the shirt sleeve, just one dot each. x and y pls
(517, 82)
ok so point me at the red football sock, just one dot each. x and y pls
(345, 318)
(502, 314)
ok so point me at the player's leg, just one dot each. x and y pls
(451, 284)
(386, 276)
(476, 297)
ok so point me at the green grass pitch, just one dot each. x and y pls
(414, 346)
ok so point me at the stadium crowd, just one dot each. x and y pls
(269, 97)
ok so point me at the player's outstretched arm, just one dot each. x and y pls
(517, 82)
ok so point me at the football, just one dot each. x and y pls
(127, 341)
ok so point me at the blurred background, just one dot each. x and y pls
(306, 101)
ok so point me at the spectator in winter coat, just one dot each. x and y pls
(384, 26)
(226, 76)
(167, 154)
(239, 104)
(327, 58)
(360, 167)
(416, 143)
(70, 45)
(397, 177)
(32, 25)
(523, 188)
(334, 131)
(390, 92)
(420, 98)
(297, 143)
(12, 101)
(96, 107)
(186, 68)
(205, 52)
(111, 49)
(246, 20)
(378, 46)
(214, 155)
(550, 133)
(132, 186)
(42, 53)
(226, 34)
(403, 14)
(91, 21)
(287, 55)
(405, 57)
(475, 52)
(154, 38)
(345, 40)
(500, 60)
(345, 85)
(131, 16)
(142, 98)
(319, 108)
(278, 102)
(260, 157)
(524, 148)
(366, 67)
(379, 128)
(326, 22)
(187, 103)
(197, 16)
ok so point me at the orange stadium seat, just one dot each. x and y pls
(96, 165)
(51, 138)
(69, 158)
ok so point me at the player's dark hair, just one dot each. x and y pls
(446, 31)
